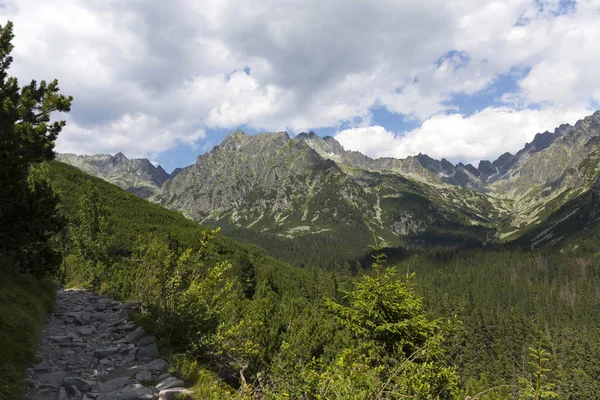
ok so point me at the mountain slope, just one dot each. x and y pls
(284, 189)
(138, 176)
(524, 189)
(130, 215)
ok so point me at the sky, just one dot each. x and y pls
(168, 80)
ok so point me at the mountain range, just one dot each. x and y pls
(271, 188)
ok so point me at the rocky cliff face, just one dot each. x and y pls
(273, 184)
(138, 176)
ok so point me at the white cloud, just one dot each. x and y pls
(312, 64)
(482, 136)
(136, 135)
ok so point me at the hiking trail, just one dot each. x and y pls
(92, 350)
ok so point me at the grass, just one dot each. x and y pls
(205, 384)
(25, 303)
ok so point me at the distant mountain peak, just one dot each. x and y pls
(137, 175)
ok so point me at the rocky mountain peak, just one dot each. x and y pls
(542, 141)
(486, 168)
(503, 162)
(309, 135)
(137, 175)
(447, 166)
(429, 163)
(234, 140)
(327, 147)
(176, 172)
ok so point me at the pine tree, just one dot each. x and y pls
(538, 387)
(27, 136)
(396, 349)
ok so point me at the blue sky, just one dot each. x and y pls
(460, 79)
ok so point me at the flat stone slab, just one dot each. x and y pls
(103, 353)
(145, 341)
(60, 339)
(148, 352)
(175, 394)
(133, 392)
(143, 375)
(156, 366)
(136, 334)
(169, 383)
(113, 384)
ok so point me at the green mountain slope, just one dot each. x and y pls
(133, 218)
(131, 215)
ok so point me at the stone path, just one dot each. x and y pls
(92, 351)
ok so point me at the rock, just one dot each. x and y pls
(87, 330)
(52, 379)
(143, 375)
(133, 392)
(148, 352)
(130, 356)
(33, 383)
(128, 306)
(45, 366)
(45, 394)
(146, 341)
(122, 317)
(175, 394)
(169, 383)
(80, 345)
(103, 353)
(62, 394)
(60, 339)
(156, 366)
(93, 384)
(164, 376)
(79, 318)
(77, 382)
(73, 391)
(129, 326)
(113, 384)
(133, 336)
(105, 362)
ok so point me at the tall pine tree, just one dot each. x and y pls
(27, 135)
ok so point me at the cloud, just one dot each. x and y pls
(137, 135)
(484, 135)
(180, 68)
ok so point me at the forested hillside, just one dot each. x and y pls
(251, 321)
(494, 305)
